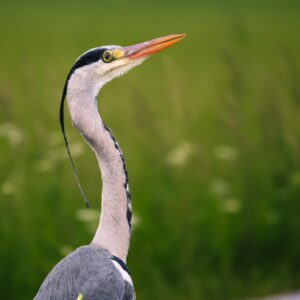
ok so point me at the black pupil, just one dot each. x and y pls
(107, 55)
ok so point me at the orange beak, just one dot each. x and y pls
(152, 46)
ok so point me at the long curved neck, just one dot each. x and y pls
(113, 232)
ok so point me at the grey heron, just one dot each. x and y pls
(99, 270)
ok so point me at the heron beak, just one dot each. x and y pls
(148, 48)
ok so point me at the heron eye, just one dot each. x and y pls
(107, 56)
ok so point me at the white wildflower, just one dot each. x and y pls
(77, 149)
(225, 152)
(87, 215)
(136, 220)
(12, 133)
(180, 155)
(231, 205)
(220, 187)
(7, 188)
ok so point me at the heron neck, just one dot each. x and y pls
(113, 232)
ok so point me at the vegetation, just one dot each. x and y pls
(210, 130)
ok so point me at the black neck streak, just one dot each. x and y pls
(126, 183)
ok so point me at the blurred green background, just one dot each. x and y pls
(210, 129)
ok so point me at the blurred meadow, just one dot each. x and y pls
(210, 130)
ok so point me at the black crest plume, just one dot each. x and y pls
(62, 124)
(87, 58)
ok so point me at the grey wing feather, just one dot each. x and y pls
(112, 287)
(129, 293)
(88, 271)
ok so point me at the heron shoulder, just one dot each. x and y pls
(89, 271)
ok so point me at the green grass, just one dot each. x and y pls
(211, 134)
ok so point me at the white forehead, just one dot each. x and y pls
(98, 48)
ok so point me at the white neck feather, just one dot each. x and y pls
(113, 232)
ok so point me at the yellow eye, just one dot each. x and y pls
(107, 56)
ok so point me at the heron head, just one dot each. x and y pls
(100, 65)
(96, 67)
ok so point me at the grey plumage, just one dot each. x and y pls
(89, 271)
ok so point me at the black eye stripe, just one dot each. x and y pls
(88, 58)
